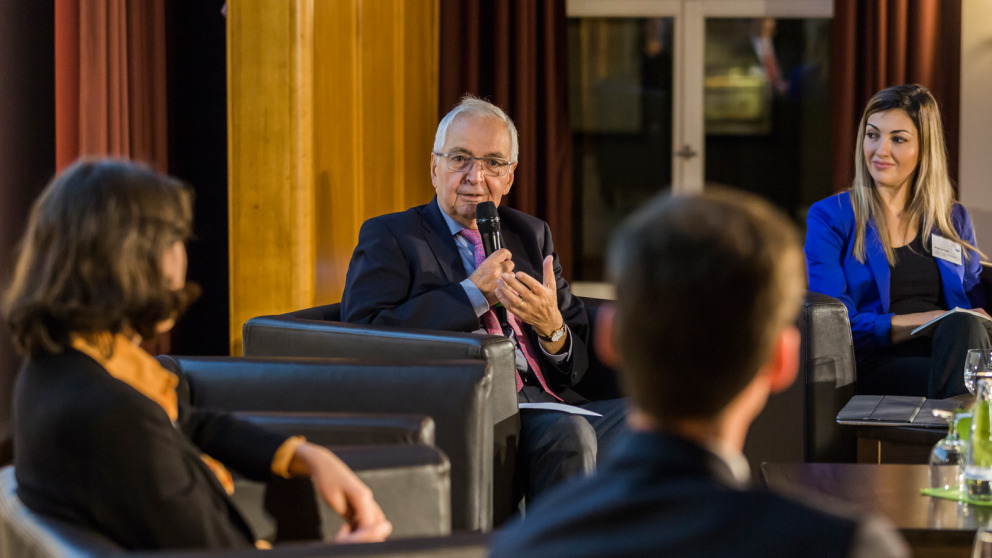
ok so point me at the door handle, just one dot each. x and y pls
(687, 152)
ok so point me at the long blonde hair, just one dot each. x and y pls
(931, 196)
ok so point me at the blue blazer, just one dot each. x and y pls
(832, 269)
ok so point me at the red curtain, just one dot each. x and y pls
(513, 53)
(881, 43)
(110, 85)
(111, 80)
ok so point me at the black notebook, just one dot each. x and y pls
(896, 410)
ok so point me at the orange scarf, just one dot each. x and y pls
(123, 359)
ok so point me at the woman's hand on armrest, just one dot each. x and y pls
(345, 492)
(904, 324)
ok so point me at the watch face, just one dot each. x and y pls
(558, 334)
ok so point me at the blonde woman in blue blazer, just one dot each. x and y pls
(898, 251)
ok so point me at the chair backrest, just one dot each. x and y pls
(26, 534)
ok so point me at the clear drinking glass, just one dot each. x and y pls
(977, 364)
(948, 455)
(978, 465)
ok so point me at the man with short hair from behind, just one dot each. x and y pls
(708, 290)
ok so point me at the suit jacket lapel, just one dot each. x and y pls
(878, 263)
(513, 243)
(442, 244)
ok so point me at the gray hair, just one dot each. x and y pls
(471, 105)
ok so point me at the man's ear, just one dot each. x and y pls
(604, 341)
(434, 162)
(783, 363)
(509, 179)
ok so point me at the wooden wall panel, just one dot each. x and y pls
(332, 113)
(270, 141)
(375, 118)
(420, 99)
(338, 142)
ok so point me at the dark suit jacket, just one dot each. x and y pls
(92, 450)
(406, 271)
(659, 495)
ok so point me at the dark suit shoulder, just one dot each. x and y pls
(399, 218)
(656, 496)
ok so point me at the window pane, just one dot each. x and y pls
(620, 90)
(767, 108)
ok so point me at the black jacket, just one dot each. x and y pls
(92, 450)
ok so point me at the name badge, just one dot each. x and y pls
(945, 249)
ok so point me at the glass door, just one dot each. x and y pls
(681, 94)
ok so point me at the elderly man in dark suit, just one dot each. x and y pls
(426, 268)
(676, 485)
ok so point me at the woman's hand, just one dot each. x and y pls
(982, 312)
(904, 324)
(345, 492)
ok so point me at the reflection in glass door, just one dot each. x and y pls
(685, 94)
(766, 110)
(620, 84)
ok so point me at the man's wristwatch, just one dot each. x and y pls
(555, 336)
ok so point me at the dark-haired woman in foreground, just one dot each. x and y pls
(99, 437)
(898, 251)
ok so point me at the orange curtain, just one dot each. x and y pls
(881, 43)
(110, 86)
(111, 80)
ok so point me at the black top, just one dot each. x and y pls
(914, 284)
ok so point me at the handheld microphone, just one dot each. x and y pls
(487, 220)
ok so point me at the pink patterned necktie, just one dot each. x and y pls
(492, 323)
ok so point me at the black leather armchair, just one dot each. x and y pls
(454, 393)
(481, 477)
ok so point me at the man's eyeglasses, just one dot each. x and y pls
(461, 162)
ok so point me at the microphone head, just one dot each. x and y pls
(486, 217)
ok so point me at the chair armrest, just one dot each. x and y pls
(455, 393)
(410, 483)
(26, 533)
(800, 423)
(828, 368)
(347, 429)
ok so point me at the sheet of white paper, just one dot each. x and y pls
(558, 407)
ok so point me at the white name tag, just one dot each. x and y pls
(945, 249)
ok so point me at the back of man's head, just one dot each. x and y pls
(705, 284)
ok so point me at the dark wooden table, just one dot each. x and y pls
(933, 527)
